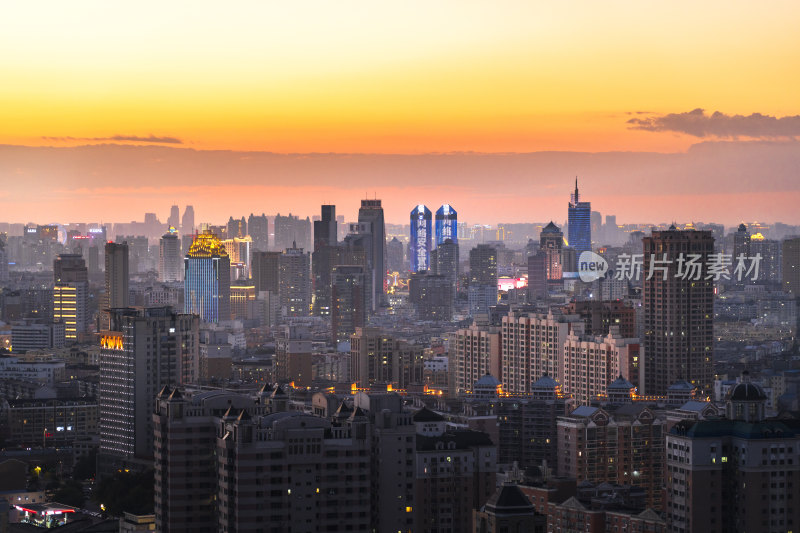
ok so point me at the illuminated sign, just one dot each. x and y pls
(111, 342)
(505, 284)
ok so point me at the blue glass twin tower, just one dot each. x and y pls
(580, 224)
(422, 234)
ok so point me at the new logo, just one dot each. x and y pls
(591, 266)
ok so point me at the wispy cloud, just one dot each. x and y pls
(700, 124)
(121, 138)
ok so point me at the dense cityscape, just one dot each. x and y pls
(337, 372)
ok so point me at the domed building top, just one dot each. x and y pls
(488, 381)
(206, 245)
(620, 384)
(545, 382)
(747, 392)
(742, 228)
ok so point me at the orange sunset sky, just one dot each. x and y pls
(227, 80)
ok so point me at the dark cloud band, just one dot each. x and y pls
(123, 138)
(700, 124)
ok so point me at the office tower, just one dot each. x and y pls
(590, 363)
(376, 357)
(537, 276)
(477, 353)
(395, 255)
(770, 252)
(174, 219)
(71, 295)
(258, 229)
(421, 235)
(117, 279)
(292, 231)
(444, 262)
(432, 296)
(207, 279)
(678, 312)
(169, 257)
(532, 344)
(144, 350)
(349, 297)
(446, 224)
(325, 229)
(741, 242)
(528, 425)
(35, 334)
(580, 224)
(597, 223)
(3, 258)
(242, 293)
(482, 279)
(187, 222)
(625, 447)
(734, 474)
(239, 253)
(790, 266)
(294, 285)
(293, 355)
(265, 271)
(371, 215)
(599, 316)
(551, 242)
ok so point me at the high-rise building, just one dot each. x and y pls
(532, 344)
(482, 279)
(169, 257)
(421, 236)
(580, 223)
(432, 296)
(207, 279)
(292, 231)
(117, 279)
(293, 355)
(790, 266)
(741, 242)
(174, 219)
(477, 353)
(769, 250)
(446, 224)
(349, 297)
(737, 473)
(187, 222)
(371, 215)
(376, 357)
(144, 350)
(395, 255)
(600, 316)
(71, 295)
(294, 285)
(678, 311)
(265, 271)
(258, 229)
(237, 228)
(551, 241)
(444, 262)
(325, 229)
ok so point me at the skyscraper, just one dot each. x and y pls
(371, 214)
(237, 228)
(580, 223)
(174, 218)
(117, 278)
(71, 294)
(482, 292)
(420, 243)
(444, 262)
(143, 350)
(207, 279)
(678, 312)
(741, 242)
(187, 222)
(294, 286)
(258, 229)
(790, 266)
(265, 271)
(292, 231)
(446, 224)
(349, 296)
(395, 255)
(325, 229)
(169, 257)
